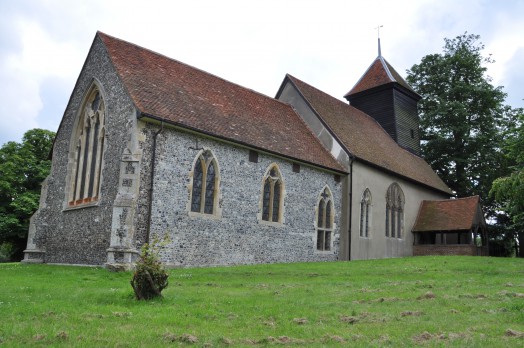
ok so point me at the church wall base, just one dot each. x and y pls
(120, 259)
(33, 256)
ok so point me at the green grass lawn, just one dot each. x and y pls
(429, 301)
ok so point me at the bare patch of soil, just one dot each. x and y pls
(62, 335)
(513, 333)
(300, 321)
(39, 337)
(423, 337)
(185, 338)
(411, 313)
(349, 319)
(227, 341)
(427, 296)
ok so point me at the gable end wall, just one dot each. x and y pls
(82, 235)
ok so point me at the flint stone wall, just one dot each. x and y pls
(236, 235)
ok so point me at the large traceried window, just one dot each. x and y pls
(205, 187)
(325, 220)
(394, 211)
(365, 213)
(86, 158)
(272, 195)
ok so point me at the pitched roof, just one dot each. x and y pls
(365, 139)
(379, 73)
(447, 215)
(194, 99)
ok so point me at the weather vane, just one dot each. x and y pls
(378, 35)
(378, 30)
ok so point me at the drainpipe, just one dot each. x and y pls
(350, 205)
(151, 187)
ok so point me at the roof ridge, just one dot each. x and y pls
(453, 199)
(386, 68)
(185, 64)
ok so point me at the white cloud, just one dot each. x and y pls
(328, 44)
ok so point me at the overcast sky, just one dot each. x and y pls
(329, 44)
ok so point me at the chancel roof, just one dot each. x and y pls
(447, 215)
(379, 73)
(365, 139)
(168, 90)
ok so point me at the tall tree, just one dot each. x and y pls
(462, 117)
(509, 190)
(23, 166)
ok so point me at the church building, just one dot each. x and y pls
(149, 147)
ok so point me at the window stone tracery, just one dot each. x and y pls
(394, 211)
(86, 166)
(325, 220)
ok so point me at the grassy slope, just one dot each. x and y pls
(434, 301)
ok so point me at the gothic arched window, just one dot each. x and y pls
(394, 211)
(272, 195)
(205, 188)
(325, 220)
(86, 157)
(365, 213)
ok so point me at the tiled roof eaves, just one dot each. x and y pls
(393, 84)
(454, 230)
(331, 132)
(429, 217)
(187, 128)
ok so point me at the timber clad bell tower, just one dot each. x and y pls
(383, 94)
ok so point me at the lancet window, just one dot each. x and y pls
(365, 213)
(272, 195)
(394, 211)
(205, 187)
(325, 221)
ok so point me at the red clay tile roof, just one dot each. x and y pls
(379, 73)
(365, 139)
(447, 215)
(191, 98)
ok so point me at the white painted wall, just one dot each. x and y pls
(378, 245)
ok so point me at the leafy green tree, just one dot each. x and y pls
(509, 190)
(23, 166)
(463, 118)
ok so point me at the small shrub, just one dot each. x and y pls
(6, 251)
(150, 277)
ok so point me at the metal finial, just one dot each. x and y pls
(378, 35)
